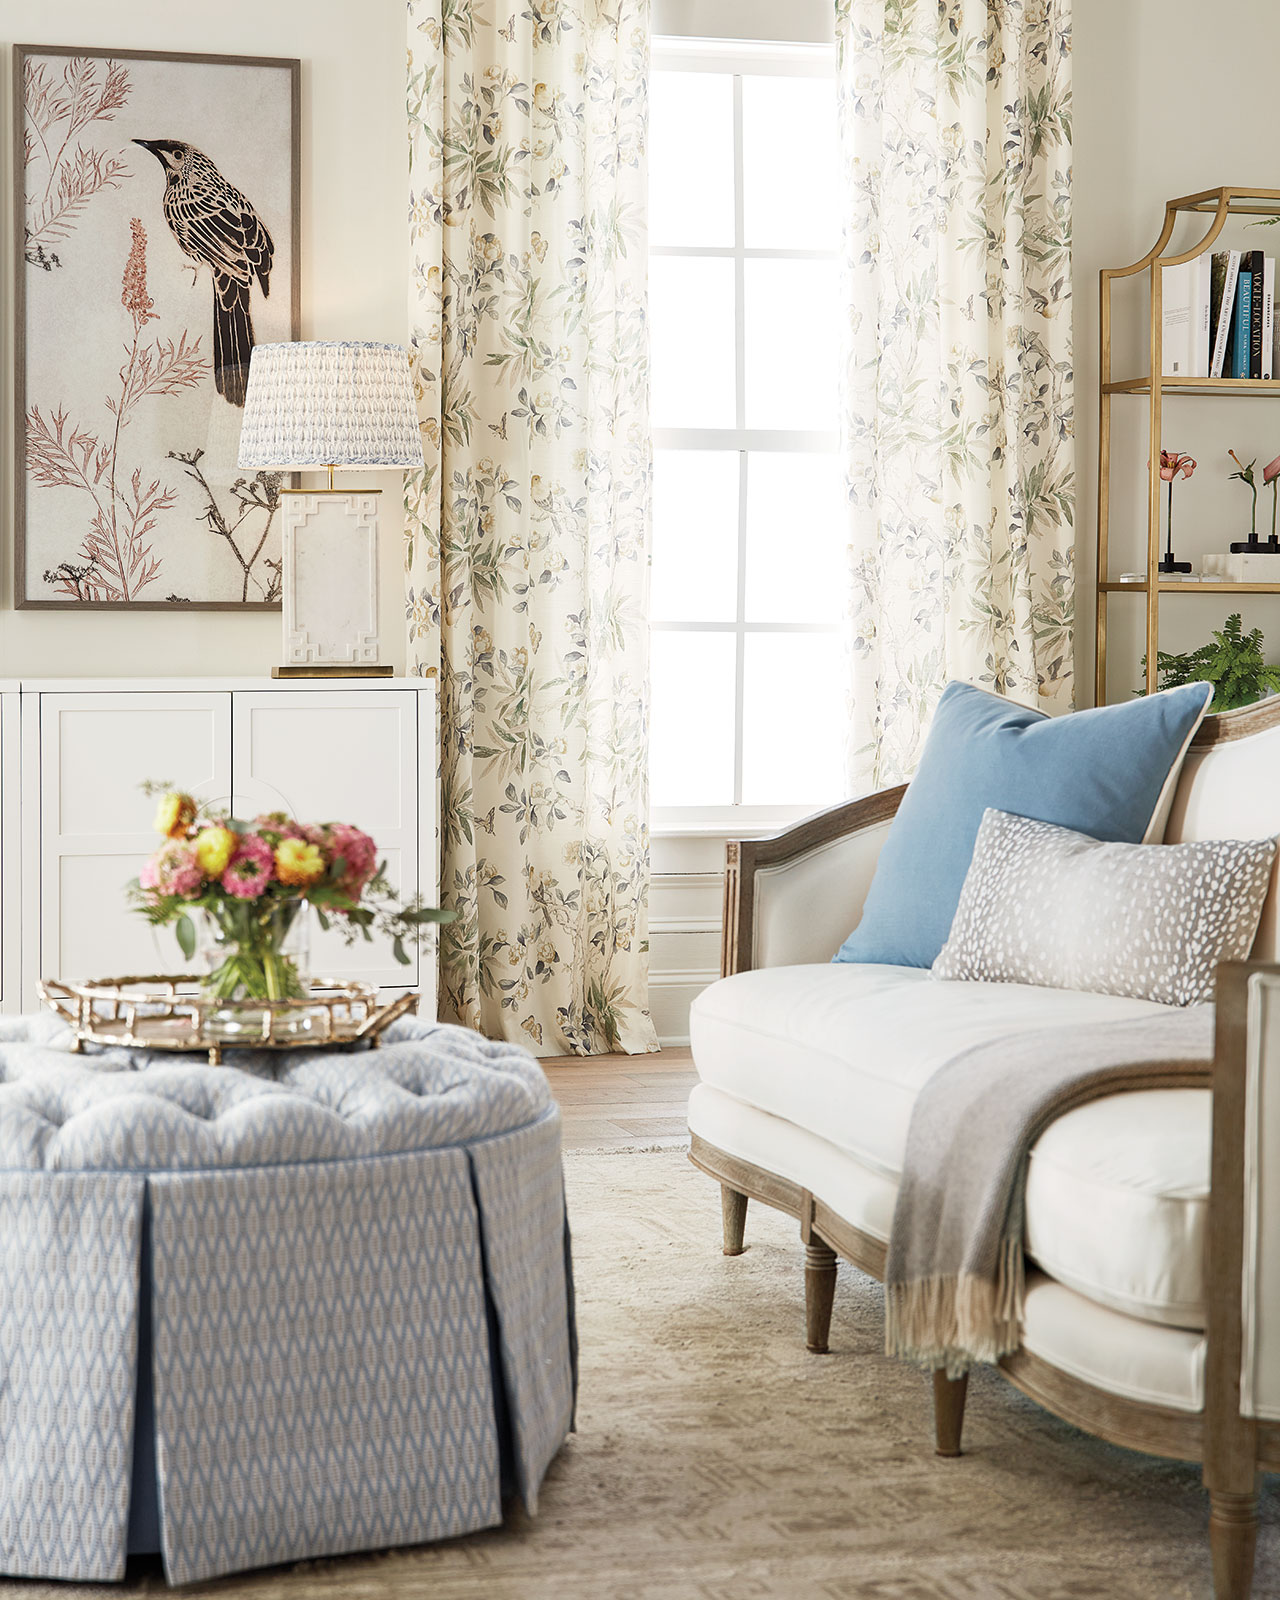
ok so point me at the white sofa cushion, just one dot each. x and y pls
(1118, 1198)
(1116, 1191)
(1161, 1366)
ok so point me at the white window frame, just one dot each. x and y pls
(740, 58)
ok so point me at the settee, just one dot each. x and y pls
(1152, 1217)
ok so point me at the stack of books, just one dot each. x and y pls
(1219, 316)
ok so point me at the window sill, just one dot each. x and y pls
(727, 822)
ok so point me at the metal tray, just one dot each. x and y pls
(152, 1013)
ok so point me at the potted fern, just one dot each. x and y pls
(1233, 664)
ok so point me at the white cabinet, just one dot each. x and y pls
(91, 754)
(356, 754)
(341, 757)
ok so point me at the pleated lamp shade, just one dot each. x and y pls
(322, 404)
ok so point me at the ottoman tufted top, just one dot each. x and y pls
(428, 1085)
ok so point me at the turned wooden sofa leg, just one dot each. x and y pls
(1233, 1535)
(949, 1396)
(733, 1208)
(819, 1293)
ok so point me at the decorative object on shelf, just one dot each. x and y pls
(255, 883)
(1233, 664)
(151, 1013)
(1214, 209)
(1271, 475)
(320, 404)
(1173, 463)
(149, 266)
(1250, 546)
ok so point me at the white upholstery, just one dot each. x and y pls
(1118, 1202)
(1230, 791)
(843, 1049)
(1124, 1356)
(804, 909)
(854, 1192)
(811, 1072)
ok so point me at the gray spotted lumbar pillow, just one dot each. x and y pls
(1047, 906)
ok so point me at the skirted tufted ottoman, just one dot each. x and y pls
(301, 1304)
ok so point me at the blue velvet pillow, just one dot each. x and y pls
(1101, 772)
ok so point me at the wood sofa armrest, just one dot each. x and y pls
(744, 858)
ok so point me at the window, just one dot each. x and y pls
(748, 536)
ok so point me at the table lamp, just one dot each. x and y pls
(333, 405)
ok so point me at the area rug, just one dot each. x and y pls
(716, 1460)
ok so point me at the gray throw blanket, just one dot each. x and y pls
(954, 1273)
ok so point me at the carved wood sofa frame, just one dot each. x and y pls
(1232, 1448)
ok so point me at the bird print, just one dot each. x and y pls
(216, 227)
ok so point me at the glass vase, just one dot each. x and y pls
(254, 950)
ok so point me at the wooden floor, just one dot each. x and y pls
(612, 1102)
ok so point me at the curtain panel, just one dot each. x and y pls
(526, 533)
(955, 128)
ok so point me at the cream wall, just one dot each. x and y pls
(1171, 97)
(354, 268)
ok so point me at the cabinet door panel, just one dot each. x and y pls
(338, 756)
(95, 823)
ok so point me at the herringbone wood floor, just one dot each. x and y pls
(619, 1102)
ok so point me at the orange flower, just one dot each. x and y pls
(175, 814)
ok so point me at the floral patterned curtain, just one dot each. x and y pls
(527, 533)
(955, 125)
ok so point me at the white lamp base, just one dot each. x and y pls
(329, 584)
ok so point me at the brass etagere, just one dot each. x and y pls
(1221, 203)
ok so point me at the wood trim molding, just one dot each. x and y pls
(1228, 726)
(1231, 1445)
(745, 857)
(1134, 1424)
(815, 1216)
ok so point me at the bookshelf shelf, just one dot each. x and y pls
(1267, 386)
(1218, 205)
(1191, 588)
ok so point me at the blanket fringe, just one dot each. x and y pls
(956, 1320)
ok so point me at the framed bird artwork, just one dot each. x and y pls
(157, 241)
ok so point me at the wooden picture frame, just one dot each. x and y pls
(154, 243)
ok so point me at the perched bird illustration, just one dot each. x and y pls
(216, 227)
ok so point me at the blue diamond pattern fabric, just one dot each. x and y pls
(68, 1353)
(325, 1227)
(322, 1378)
(521, 1191)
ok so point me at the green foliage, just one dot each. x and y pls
(1233, 664)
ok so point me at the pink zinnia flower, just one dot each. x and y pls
(277, 826)
(175, 870)
(359, 855)
(249, 871)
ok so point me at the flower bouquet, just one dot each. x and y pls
(251, 882)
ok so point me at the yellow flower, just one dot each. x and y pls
(213, 850)
(175, 814)
(298, 862)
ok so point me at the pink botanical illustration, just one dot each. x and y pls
(140, 500)
(64, 172)
(115, 561)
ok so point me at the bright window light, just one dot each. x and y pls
(748, 509)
